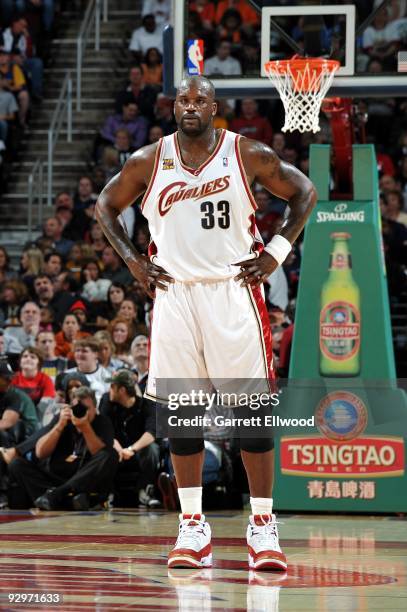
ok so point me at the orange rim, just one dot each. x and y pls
(297, 64)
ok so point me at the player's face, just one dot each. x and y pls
(194, 109)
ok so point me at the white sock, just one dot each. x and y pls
(190, 499)
(261, 505)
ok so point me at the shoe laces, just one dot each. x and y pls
(267, 531)
(190, 532)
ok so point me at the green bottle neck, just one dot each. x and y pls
(340, 264)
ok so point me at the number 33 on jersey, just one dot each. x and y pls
(201, 220)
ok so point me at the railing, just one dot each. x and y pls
(35, 192)
(92, 17)
(62, 110)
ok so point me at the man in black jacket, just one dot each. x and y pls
(134, 424)
(77, 458)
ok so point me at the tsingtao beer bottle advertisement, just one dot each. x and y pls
(339, 323)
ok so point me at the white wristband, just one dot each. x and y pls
(279, 247)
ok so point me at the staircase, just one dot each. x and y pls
(103, 75)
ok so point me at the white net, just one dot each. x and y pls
(302, 87)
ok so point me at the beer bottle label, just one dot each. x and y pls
(339, 330)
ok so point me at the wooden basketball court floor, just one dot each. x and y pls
(116, 560)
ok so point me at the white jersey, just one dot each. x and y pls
(201, 220)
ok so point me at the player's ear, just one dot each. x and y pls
(214, 108)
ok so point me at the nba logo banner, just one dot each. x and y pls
(195, 60)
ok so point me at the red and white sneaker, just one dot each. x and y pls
(262, 542)
(193, 546)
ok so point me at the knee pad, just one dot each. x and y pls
(256, 437)
(186, 446)
(257, 445)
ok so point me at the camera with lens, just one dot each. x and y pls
(79, 410)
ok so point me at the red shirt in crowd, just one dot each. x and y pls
(36, 388)
(258, 128)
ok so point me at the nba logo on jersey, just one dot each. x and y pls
(195, 60)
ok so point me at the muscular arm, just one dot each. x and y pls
(285, 181)
(119, 193)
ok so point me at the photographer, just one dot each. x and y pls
(134, 424)
(77, 458)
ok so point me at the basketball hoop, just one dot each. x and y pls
(302, 84)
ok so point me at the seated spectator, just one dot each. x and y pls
(86, 353)
(152, 67)
(155, 133)
(80, 310)
(53, 264)
(30, 379)
(106, 351)
(137, 91)
(68, 484)
(265, 220)
(379, 40)
(6, 271)
(164, 114)
(13, 296)
(53, 230)
(394, 207)
(52, 364)
(18, 38)
(115, 296)
(251, 124)
(85, 195)
(148, 35)
(15, 82)
(122, 334)
(134, 424)
(96, 238)
(31, 264)
(18, 338)
(64, 198)
(197, 30)
(387, 183)
(130, 120)
(139, 353)
(278, 143)
(230, 28)
(142, 239)
(94, 288)
(206, 11)
(161, 9)
(119, 153)
(70, 332)
(248, 15)
(45, 7)
(18, 418)
(129, 312)
(8, 109)
(114, 269)
(222, 62)
(47, 296)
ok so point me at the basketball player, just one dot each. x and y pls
(206, 269)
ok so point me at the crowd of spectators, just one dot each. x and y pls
(74, 426)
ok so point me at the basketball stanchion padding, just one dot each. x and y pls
(302, 84)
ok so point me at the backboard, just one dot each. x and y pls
(334, 30)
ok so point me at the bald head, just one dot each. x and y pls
(198, 81)
(195, 105)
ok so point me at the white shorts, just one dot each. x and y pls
(211, 330)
